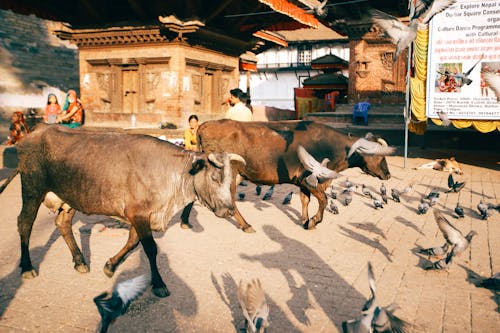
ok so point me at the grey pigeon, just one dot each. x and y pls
(333, 194)
(395, 195)
(269, 193)
(348, 184)
(401, 34)
(366, 191)
(113, 304)
(287, 198)
(383, 190)
(375, 318)
(319, 11)
(258, 189)
(483, 210)
(459, 211)
(453, 185)
(433, 194)
(433, 201)
(444, 118)
(253, 304)
(423, 207)
(452, 235)
(463, 78)
(319, 171)
(441, 264)
(438, 251)
(408, 188)
(332, 208)
(347, 198)
(493, 81)
(384, 198)
(241, 196)
(377, 204)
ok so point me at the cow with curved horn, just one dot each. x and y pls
(138, 179)
(279, 152)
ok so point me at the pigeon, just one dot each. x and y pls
(383, 190)
(463, 78)
(453, 185)
(444, 118)
(493, 82)
(254, 306)
(433, 194)
(258, 190)
(441, 264)
(395, 195)
(423, 207)
(365, 191)
(241, 196)
(483, 210)
(113, 304)
(438, 251)
(347, 199)
(332, 208)
(348, 184)
(287, 198)
(320, 11)
(408, 188)
(403, 35)
(452, 235)
(377, 203)
(460, 211)
(375, 318)
(433, 201)
(318, 171)
(333, 194)
(384, 198)
(269, 193)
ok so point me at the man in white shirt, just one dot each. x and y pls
(238, 110)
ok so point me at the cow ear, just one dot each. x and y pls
(197, 165)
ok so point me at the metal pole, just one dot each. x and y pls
(407, 112)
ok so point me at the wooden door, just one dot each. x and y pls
(207, 91)
(130, 91)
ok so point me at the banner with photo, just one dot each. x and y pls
(464, 41)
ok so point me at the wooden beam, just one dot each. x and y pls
(222, 5)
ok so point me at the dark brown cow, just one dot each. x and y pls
(137, 178)
(270, 152)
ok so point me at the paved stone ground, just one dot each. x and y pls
(314, 279)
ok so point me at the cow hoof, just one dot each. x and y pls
(186, 226)
(29, 274)
(249, 230)
(309, 225)
(109, 269)
(82, 268)
(161, 292)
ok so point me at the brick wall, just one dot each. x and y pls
(33, 63)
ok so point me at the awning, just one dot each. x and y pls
(297, 13)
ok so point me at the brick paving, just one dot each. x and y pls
(313, 279)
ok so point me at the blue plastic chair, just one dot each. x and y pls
(361, 110)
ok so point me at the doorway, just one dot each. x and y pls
(130, 86)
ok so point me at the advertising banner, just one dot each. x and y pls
(464, 40)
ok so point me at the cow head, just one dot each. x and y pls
(368, 154)
(212, 182)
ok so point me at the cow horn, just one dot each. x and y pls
(236, 157)
(212, 158)
(382, 142)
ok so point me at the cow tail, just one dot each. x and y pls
(9, 179)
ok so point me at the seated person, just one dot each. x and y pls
(72, 113)
(190, 140)
(18, 128)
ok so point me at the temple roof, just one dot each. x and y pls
(327, 80)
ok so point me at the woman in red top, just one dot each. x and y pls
(52, 109)
(71, 116)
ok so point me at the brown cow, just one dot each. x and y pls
(270, 150)
(136, 178)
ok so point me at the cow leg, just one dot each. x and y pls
(114, 262)
(148, 243)
(241, 221)
(319, 193)
(237, 215)
(305, 197)
(25, 222)
(63, 223)
(185, 216)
